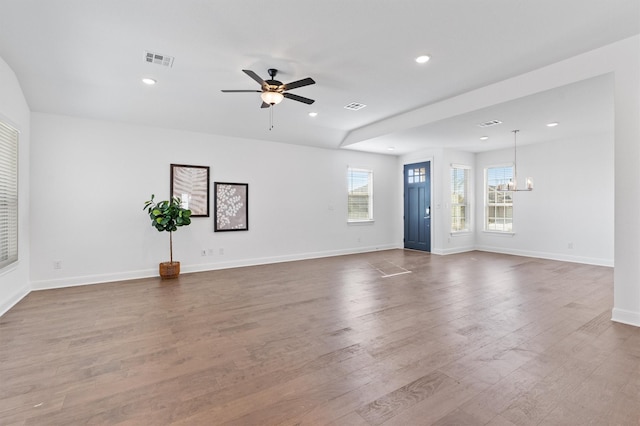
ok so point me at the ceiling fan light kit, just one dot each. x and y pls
(272, 98)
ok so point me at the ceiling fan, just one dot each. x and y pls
(273, 91)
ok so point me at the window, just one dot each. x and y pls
(8, 195)
(498, 202)
(459, 198)
(360, 196)
(417, 175)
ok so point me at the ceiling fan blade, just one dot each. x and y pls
(298, 98)
(241, 91)
(254, 76)
(300, 83)
(265, 105)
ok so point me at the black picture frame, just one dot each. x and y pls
(231, 206)
(191, 182)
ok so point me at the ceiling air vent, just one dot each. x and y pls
(157, 58)
(489, 123)
(354, 106)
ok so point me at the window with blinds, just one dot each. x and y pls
(498, 201)
(8, 195)
(459, 198)
(360, 195)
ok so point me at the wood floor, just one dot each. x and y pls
(468, 339)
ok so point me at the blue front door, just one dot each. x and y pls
(417, 206)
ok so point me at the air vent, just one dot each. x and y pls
(490, 123)
(157, 58)
(354, 106)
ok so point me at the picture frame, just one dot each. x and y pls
(191, 185)
(231, 206)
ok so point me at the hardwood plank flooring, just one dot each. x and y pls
(387, 338)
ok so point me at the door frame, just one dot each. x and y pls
(434, 208)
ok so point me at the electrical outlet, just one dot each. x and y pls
(57, 264)
(570, 245)
(203, 252)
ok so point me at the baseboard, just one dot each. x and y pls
(13, 300)
(185, 268)
(147, 273)
(625, 317)
(456, 250)
(551, 256)
(92, 279)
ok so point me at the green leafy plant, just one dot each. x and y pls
(167, 216)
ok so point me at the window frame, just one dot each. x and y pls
(369, 172)
(467, 201)
(9, 195)
(488, 204)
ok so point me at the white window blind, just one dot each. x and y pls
(459, 198)
(8, 195)
(360, 195)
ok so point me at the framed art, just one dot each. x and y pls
(191, 185)
(231, 205)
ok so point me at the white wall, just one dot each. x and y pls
(622, 60)
(14, 280)
(91, 178)
(572, 201)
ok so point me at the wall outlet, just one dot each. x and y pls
(570, 245)
(57, 264)
(203, 252)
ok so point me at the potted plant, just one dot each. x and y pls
(168, 216)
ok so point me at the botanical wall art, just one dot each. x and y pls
(231, 206)
(191, 185)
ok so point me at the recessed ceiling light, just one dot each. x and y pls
(391, 148)
(553, 124)
(484, 138)
(423, 59)
(149, 81)
(313, 114)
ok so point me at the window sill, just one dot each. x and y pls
(360, 222)
(503, 233)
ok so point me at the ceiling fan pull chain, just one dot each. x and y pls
(271, 117)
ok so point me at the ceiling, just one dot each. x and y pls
(85, 58)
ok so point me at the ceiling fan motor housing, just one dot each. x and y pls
(273, 85)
